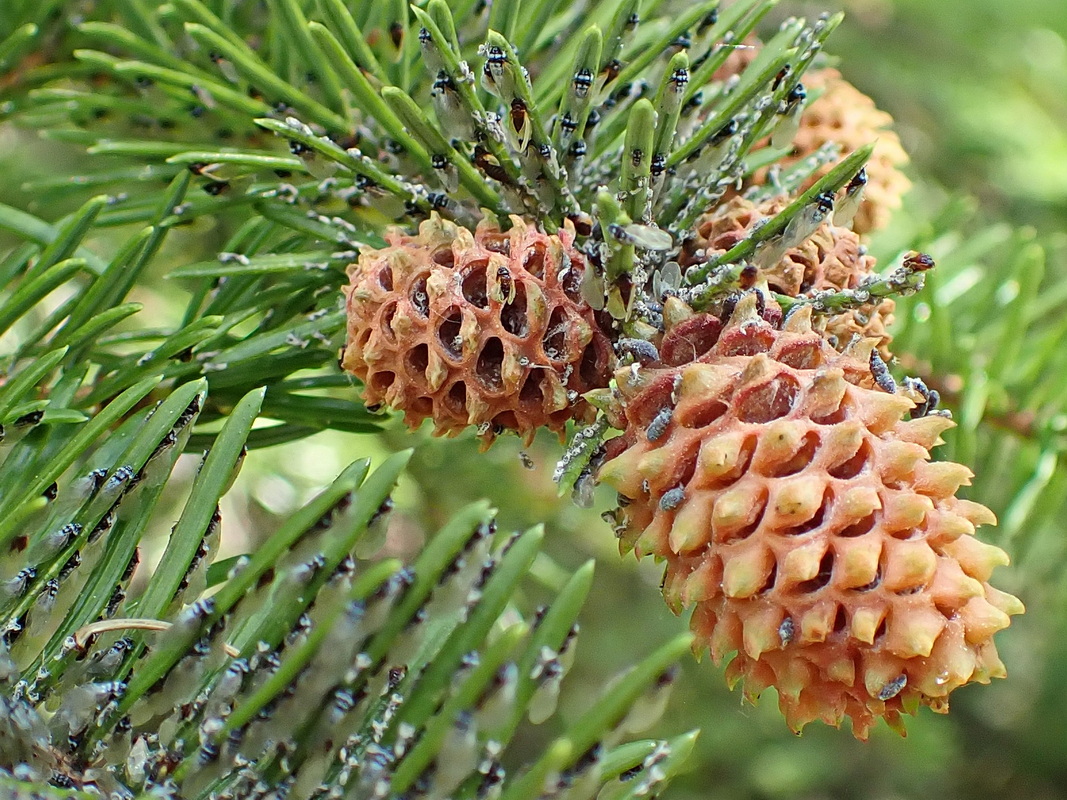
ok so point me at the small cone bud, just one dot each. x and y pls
(842, 115)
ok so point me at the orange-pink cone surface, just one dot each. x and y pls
(483, 328)
(799, 515)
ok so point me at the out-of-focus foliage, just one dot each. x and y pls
(977, 91)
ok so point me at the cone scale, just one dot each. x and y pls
(798, 515)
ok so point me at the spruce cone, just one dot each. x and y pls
(798, 513)
(485, 329)
(833, 258)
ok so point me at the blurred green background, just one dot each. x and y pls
(979, 91)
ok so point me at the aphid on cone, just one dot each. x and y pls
(799, 515)
(485, 328)
(832, 258)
